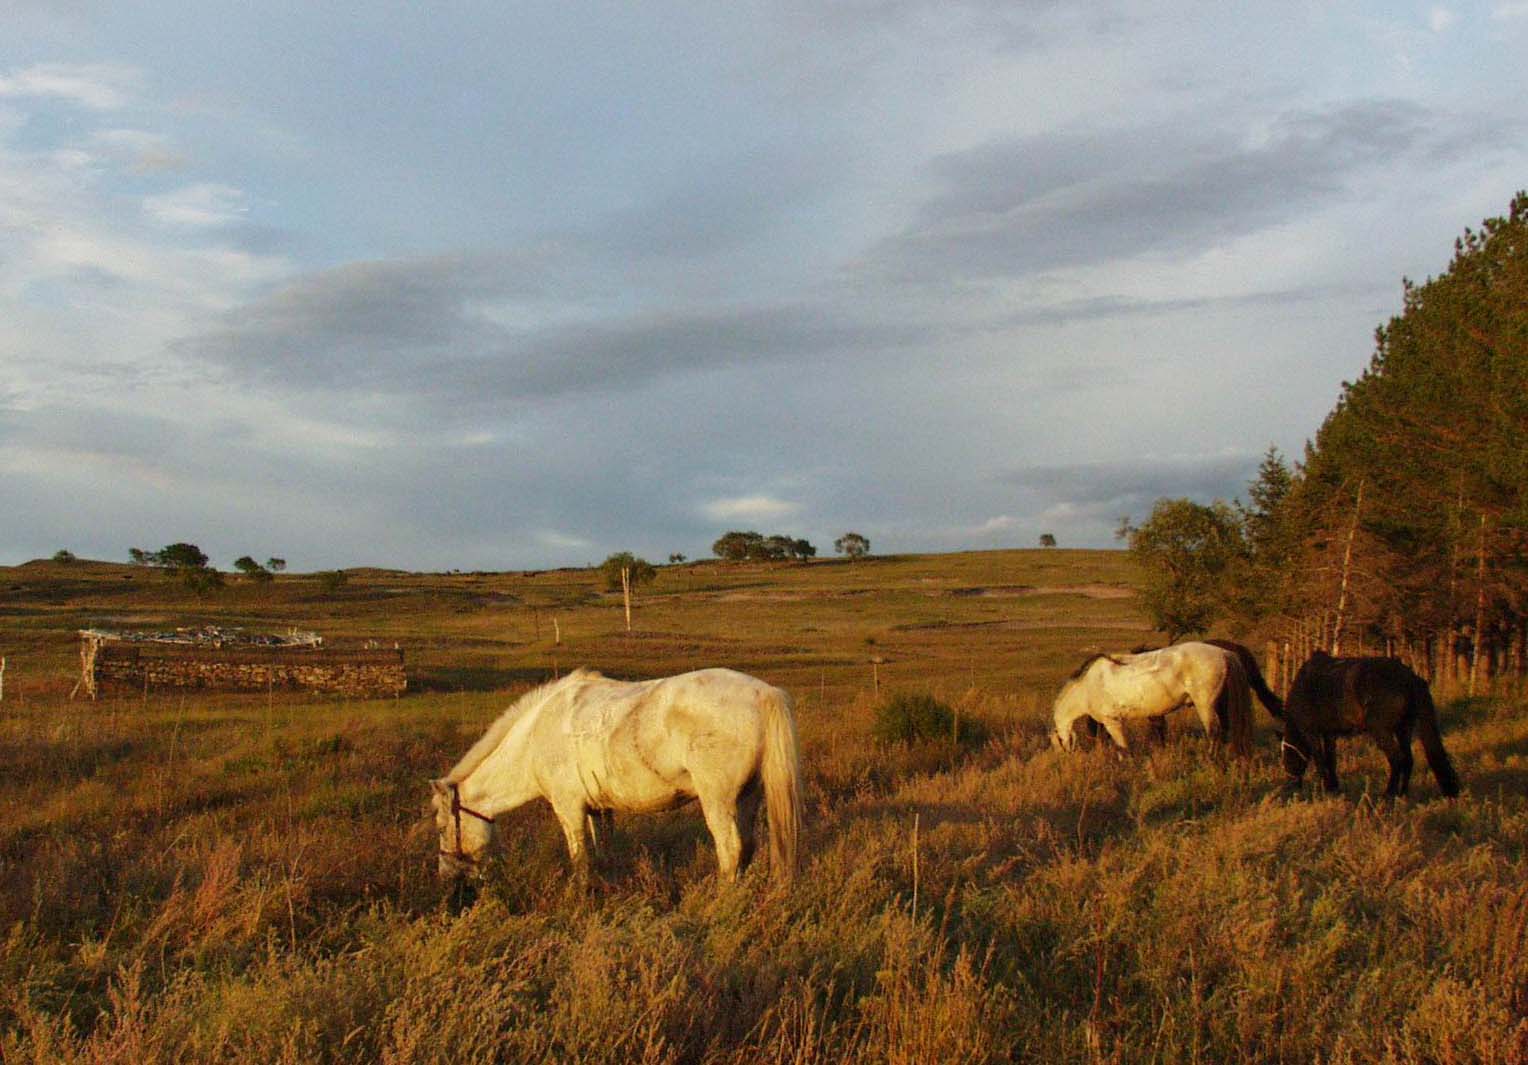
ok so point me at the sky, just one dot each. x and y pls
(493, 286)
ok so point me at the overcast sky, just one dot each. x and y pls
(490, 285)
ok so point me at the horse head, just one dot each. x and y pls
(1295, 750)
(464, 833)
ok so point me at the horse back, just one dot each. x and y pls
(1344, 695)
(640, 745)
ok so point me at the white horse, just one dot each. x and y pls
(1112, 689)
(587, 743)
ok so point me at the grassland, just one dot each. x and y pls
(250, 878)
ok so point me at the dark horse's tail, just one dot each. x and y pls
(1426, 716)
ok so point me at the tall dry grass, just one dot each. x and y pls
(245, 879)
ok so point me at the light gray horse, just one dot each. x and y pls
(587, 743)
(1112, 689)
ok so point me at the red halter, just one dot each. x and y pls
(457, 809)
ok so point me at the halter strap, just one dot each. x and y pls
(457, 809)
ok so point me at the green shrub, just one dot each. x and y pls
(909, 717)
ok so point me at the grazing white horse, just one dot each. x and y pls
(587, 743)
(1112, 689)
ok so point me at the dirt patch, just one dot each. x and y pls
(1024, 591)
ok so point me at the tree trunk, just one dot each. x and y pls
(1347, 571)
(626, 593)
(1478, 679)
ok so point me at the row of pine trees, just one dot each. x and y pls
(1404, 528)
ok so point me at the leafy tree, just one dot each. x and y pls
(675, 559)
(624, 571)
(1047, 539)
(183, 560)
(778, 547)
(253, 570)
(180, 556)
(626, 568)
(852, 544)
(734, 546)
(63, 555)
(275, 565)
(1189, 552)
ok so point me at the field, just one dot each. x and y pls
(250, 878)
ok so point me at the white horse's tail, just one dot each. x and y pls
(780, 770)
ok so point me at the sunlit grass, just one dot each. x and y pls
(251, 878)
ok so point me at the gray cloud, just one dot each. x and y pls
(1014, 208)
(421, 328)
(1129, 487)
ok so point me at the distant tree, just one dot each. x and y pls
(63, 555)
(623, 571)
(201, 579)
(1047, 539)
(852, 544)
(1190, 554)
(777, 547)
(675, 559)
(331, 581)
(734, 546)
(180, 556)
(253, 570)
(183, 560)
(803, 550)
(275, 565)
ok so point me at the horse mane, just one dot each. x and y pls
(502, 724)
(1080, 670)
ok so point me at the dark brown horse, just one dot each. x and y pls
(1334, 697)
(1265, 695)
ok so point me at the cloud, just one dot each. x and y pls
(446, 330)
(1441, 19)
(1110, 489)
(1021, 207)
(749, 508)
(1512, 9)
(98, 87)
(202, 206)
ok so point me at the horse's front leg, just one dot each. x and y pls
(1328, 763)
(601, 824)
(1116, 730)
(571, 814)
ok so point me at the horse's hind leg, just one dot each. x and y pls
(747, 820)
(721, 814)
(1397, 747)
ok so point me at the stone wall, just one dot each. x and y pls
(114, 666)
